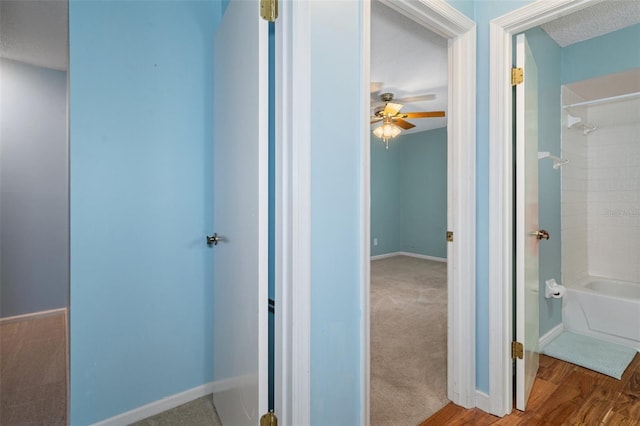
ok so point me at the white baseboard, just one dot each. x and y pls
(34, 315)
(406, 253)
(161, 405)
(483, 401)
(384, 256)
(549, 336)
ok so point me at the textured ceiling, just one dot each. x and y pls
(34, 32)
(408, 60)
(594, 21)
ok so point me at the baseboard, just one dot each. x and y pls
(406, 253)
(483, 401)
(384, 256)
(422, 256)
(549, 336)
(161, 405)
(34, 315)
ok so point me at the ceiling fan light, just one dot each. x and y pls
(387, 131)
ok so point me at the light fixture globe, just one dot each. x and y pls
(386, 131)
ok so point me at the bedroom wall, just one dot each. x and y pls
(423, 193)
(34, 189)
(409, 194)
(385, 197)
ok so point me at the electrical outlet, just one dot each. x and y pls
(375, 241)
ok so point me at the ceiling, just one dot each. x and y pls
(35, 32)
(408, 60)
(594, 21)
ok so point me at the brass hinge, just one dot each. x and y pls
(269, 10)
(450, 236)
(269, 419)
(517, 76)
(517, 350)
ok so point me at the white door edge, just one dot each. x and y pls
(500, 181)
(445, 20)
(293, 223)
(365, 219)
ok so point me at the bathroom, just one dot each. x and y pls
(589, 179)
(601, 207)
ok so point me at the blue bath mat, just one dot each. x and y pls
(604, 357)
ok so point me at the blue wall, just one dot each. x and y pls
(424, 192)
(141, 149)
(34, 189)
(547, 55)
(409, 194)
(385, 196)
(336, 228)
(607, 54)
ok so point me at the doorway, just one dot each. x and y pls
(408, 221)
(34, 200)
(459, 31)
(501, 214)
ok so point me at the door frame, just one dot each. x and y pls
(293, 214)
(460, 31)
(501, 307)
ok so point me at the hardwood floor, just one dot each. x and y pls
(563, 394)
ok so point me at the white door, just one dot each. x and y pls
(527, 328)
(240, 177)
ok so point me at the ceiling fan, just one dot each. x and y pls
(390, 111)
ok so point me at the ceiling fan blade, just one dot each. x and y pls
(425, 114)
(392, 108)
(402, 123)
(375, 119)
(419, 98)
(376, 86)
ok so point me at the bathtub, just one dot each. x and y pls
(604, 308)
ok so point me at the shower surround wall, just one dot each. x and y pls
(600, 196)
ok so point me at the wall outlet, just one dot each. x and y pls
(375, 241)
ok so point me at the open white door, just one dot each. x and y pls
(240, 163)
(527, 237)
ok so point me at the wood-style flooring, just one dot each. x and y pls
(33, 371)
(563, 394)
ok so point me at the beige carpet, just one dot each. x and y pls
(199, 412)
(408, 340)
(33, 371)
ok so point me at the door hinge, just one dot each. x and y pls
(450, 236)
(269, 419)
(269, 10)
(517, 350)
(517, 76)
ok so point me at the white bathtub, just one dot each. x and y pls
(604, 308)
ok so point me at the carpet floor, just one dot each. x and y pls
(199, 412)
(408, 340)
(33, 371)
